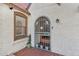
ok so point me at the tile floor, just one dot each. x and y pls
(35, 52)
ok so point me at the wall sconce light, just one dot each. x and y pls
(57, 20)
(52, 27)
(10, 6)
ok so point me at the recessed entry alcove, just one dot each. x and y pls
(42, 33)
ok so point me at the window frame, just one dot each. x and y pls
(25, 29)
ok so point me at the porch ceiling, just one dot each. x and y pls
(23, 6)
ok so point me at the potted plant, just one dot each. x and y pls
(29, 42)
(36, 45)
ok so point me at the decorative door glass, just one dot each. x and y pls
(42, 33)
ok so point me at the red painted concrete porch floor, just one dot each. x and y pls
(35, 52)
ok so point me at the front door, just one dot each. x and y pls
(42, 33)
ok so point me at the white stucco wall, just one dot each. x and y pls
(64, 35)
(7, 43)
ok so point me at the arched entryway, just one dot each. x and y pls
(42, 33)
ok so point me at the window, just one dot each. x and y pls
(20, 25)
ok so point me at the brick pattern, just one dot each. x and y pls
(35, 52)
